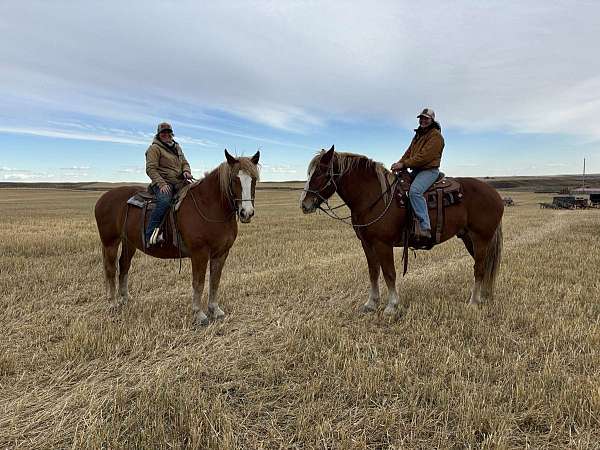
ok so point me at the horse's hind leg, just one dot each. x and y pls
(468, 244)
(127, 252)
(488, 253)
(478, 250)
(109, 256)
(216, 268)
(374, 270)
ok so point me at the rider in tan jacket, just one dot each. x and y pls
(169, 171)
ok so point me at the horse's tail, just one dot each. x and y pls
(492, 262)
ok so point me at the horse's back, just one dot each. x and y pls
(110, 208)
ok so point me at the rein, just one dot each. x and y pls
(330, 211)
(228, 217)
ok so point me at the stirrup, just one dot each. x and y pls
(156, 237)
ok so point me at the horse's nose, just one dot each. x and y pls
(246, 214)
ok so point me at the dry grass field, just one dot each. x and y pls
(294, 364)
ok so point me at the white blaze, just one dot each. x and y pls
(246, 181)
(303, 195)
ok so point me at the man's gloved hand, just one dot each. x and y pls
(187, 175)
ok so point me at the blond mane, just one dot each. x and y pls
(225, 173)
(349, 161)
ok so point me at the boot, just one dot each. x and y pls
(421, 234)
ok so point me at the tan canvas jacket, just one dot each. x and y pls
(163, 166)
(425, 151)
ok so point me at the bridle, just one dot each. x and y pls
(233, 202)
(330, 180)
(330, 211)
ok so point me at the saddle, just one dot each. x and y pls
(442, 193)
(168, 227)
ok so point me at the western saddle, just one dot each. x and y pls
(442, 193)
(168, 227)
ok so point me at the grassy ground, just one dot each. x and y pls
(294, 365)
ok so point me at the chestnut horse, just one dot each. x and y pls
(206, 220)
(379, 222)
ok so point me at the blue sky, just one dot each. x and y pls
(515, 85)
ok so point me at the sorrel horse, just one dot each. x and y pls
(379, 225)
(206, 220)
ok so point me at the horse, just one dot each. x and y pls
(379, 224)
(206, 220)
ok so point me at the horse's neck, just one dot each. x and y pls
(359, 188)
(209, 189)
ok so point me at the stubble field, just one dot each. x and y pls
(294, 364)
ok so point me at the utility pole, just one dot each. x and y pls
(583, 181)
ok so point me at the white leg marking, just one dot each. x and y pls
(246, 181)
(123, 288)
(199, 316)
(373, 301)
(475, 294)
(393, 301)
(213, 305)
(110, 290)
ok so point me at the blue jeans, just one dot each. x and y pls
(420, 184)
(163, 202)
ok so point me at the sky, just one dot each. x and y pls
(83, 84)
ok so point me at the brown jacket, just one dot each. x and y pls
(425, 150)
(164, 166)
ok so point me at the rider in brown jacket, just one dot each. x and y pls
(423, 156)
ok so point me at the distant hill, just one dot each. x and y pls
(549, 184)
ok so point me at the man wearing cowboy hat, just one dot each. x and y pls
(423, 156)
(169, 171)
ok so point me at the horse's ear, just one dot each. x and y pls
(332, 148)
(255, 158)
(326, 158)
(230, 159)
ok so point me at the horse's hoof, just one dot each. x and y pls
(115, 308)
(366, 308)
(216, 313)
(389, 310)
(201, 320)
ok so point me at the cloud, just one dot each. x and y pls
(12, 174)
(68, 134)
(132, 170)
(280, 169)
(295, 66)
(76, 168)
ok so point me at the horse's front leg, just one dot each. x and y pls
(374, 269)
(199, 262)
(216, 268)
(385, 254)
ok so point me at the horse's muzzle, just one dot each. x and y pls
(308, 209)
(246, 216)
